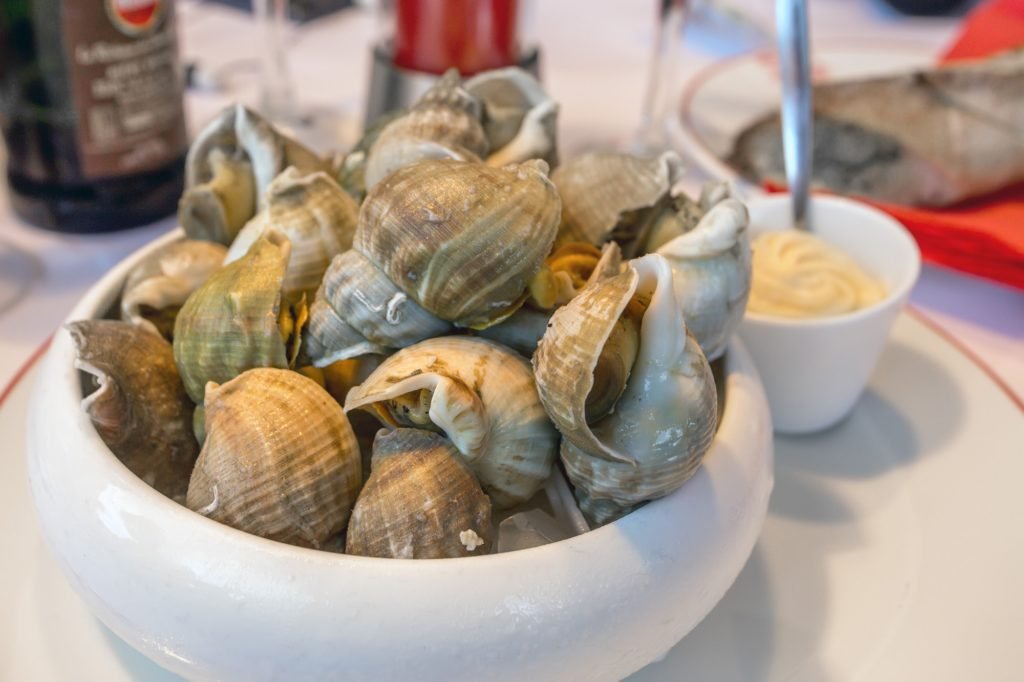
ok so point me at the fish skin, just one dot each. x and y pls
(925, 138)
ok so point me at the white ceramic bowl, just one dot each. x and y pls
(814, 369)
(210, 602)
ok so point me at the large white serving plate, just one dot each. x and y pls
(893, 550)
(726, 97)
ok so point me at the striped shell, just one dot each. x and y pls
(228, 169)
(519, 117)
(462, 239)
(317, 217)
(654, 436)
(280, 459)
(482, 396)
(443, 124)
(140, 408)
(158, 286)
(349, 169)
(358, 310)
(230, 323)
(563, 276)
(612, 195)
(439, 243)
(420, 502)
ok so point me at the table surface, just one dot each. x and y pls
(595, 61)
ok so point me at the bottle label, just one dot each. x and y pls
(127, 92)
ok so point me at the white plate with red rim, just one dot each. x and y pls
(893, 548)
(723, 99)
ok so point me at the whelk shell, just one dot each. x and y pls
(233, 321)
(280, 459)
(443, 124)
(519, 117)
(420, 502)
(711, 269)
(217, 207)
(228, 168)
(482, 396)
(158, 286)
(683, 213)
(612, 195)
(649, 431)
(438, 243)
(350, 169)
(564, 274)
(461, 239)
(570, 268)
(140, 410)
(317, 217)
(358, 310)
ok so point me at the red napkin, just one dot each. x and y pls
(992, 27)
(982, 236)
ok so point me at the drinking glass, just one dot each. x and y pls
(320, 128)
(651, 135)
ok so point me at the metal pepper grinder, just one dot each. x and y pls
(420, 39)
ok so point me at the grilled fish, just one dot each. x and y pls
(927, 138)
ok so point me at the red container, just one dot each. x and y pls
(470, 35)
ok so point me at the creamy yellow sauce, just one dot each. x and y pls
(796, 274)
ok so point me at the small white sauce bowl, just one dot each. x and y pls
(814, 369)
(210, 602)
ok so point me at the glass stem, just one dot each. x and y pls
(651, 135)
(276, 98)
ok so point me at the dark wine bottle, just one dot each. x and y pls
(925, 8)
(91, 111)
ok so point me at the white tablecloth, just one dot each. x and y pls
(595, 61)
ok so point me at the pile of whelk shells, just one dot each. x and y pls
(405, 285)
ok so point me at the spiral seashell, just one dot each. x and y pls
(317, 217)
(439, 243)
(519, 117)
(420, 502)
(564, 274)
(349, 169)
(157, 287)
(235, 321)
(462, 239)
(229, 167)
(482, 396)
(711, 268)
(443, 124)
(140, 410)
(682, 214)
(679, 216)
(279, 461)
(612, 195)
(358, 310)
(628, 388)
(571, 267)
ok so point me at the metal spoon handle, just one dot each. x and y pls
(797, 117)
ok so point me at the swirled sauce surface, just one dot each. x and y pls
(796, 274)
